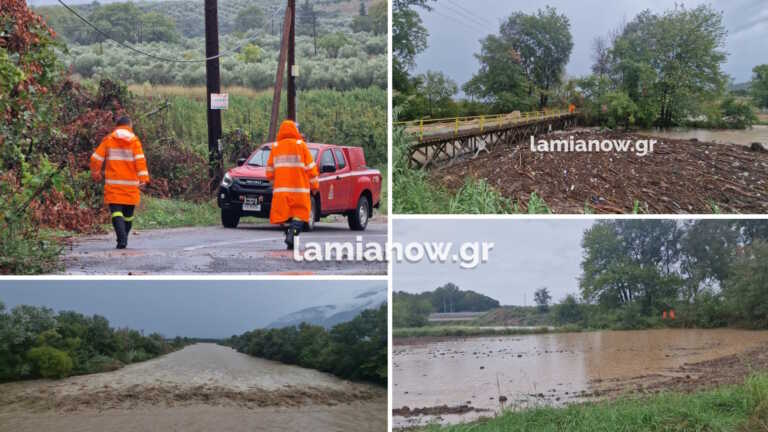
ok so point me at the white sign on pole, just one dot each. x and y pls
(219, 101)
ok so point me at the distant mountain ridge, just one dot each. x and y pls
(332, 314)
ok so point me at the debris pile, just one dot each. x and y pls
(678, 177)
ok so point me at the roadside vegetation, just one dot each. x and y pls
(416, 194)
(355, 350)
(733, 408)
(51, 119)
(711, 273)
(36, 342)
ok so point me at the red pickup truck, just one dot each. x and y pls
(347, 187)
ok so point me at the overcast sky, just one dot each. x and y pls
(453, 42)
(210, 309)
(528, 254)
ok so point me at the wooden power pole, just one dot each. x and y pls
(213, 84)
(287, 55)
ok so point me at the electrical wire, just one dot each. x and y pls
(154, 56)
(470, 13)
(458, 20)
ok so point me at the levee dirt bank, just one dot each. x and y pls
(204, 384)
(680, 176)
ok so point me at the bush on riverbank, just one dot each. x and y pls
(734, 408)
(36, 342)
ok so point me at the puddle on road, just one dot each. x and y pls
(551, 369)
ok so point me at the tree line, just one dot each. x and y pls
(412, 310)
(712, 272)
(36, 342)
(354, 350)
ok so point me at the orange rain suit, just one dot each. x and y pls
(293, 174)
(125, 167)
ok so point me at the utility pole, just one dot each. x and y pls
(292, 69)
(286, 46)
(314, 27)
(213, 84)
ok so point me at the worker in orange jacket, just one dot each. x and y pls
(125, 171)
(294, 176)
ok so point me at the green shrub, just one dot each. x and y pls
(50, 362)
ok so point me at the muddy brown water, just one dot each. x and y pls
(758, 133)
(551, 369)
(201, 387)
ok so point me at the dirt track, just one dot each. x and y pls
(201, 387)
(679, 177)
(250, 249)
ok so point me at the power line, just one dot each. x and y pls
(470, 13)
(154, 56)
(458, 20)
(463, 15)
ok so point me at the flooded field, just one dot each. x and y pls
(202, 387)
(462, 379)
(758, 133)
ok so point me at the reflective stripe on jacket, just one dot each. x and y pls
(294, 175)
(124, 164)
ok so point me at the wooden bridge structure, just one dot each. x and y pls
(440, 141)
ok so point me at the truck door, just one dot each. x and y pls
(345, 180)
(328, 196)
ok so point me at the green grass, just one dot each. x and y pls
(742, 408)
(170, 213)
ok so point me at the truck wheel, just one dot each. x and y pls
(310, 226)
(229, 218)
(358, 219)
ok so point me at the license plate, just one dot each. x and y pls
(252, 204)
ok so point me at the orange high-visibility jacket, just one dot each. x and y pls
(293, 174)
(125, 166)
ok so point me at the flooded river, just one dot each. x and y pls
(201, 387)
(551, 369)
(758, 133)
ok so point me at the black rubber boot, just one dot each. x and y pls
(120, 230)
(289, 237)
(294, 230)
(128, 226)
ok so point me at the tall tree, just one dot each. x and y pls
(670, 63)
(631, 261)
(409, 38)
(525, 61)
(542, 299)
(760, 85)
(249, 18)
(437, 88)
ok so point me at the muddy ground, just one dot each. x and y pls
(222, 389)
(462, 379)
(680, 176)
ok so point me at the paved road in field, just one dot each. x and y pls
(249, 249)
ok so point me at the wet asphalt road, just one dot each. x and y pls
(249, 249)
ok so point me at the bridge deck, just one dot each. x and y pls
(443, 140)
(432, 131)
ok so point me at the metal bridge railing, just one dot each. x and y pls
(424, 127)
